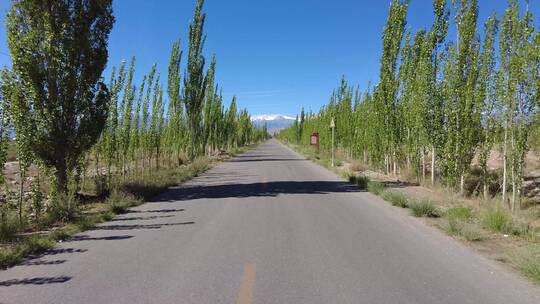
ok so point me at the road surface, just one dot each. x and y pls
(265, 227)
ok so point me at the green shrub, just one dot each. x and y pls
(361, 181)
(63, 208)
(101, 186)
(457, 227)
(424, 208)
(459, 213)
(9, 227)
(497, 220)
(120, 202)
(397, 198)
(10, 256)
(528, 262)
(474, 182)
(525, 230)
(36, 244)
(375, 187)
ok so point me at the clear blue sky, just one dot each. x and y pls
(276, 55)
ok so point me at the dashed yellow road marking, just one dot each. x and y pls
(246, 290)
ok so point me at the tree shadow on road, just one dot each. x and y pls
(269, 189)
(79, 238)
(251, 159)
(140, 226)
(155, 211)
(35, 281)
(140, 218)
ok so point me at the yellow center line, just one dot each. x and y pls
(246, 290)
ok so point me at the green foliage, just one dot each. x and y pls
(63, 208)
(64, 122)
(361, 181)
(448, 103)
(38, 244)
(528, 262)
(9, 226)
(195, 81)
(519, 92)
(459, 213)
(497, 220)
(375, 187)
(395, 197)
(458, 227)
(424, 208)
(119, 202)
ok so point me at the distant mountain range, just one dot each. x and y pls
(274, 123)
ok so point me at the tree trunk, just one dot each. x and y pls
(485, 182)
(462, 184)
(394, 160)
(513, 188)
(22, 176)
(423, 165)
(505, 164)
(433, 165)
(157, 158)
(61, 178)
(365, 156)
(123, 167)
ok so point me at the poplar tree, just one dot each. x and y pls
(4, 135)
(111, 130)
(58, 52)
(24, 139)
(487, 97)
(463, 110)
(435, 105)
(135, 142)
(126, 111)
(230, 124)
(152, 143)
(194, 80)
(388, 85)
(209, 100)
(175, 119)
(145, 133)
(519, 92)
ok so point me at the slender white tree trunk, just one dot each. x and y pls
(365, 156)
(423, 165)
(462, 184)
(433, 165)
(505, 164)
(395, 164)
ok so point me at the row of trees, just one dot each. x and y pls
(451, 100)
(141, 135)
(62, 115)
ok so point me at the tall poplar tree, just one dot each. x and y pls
(194, 80)
(486, 93)
(463, 110)
(58, 52)
(388, 85)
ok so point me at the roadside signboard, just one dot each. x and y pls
(314, 141)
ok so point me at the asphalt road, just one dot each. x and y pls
(265, 227)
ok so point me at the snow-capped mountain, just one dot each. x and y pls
(274, 122)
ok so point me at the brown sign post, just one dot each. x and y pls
(314, 140)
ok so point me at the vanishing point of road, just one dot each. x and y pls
(265, 227)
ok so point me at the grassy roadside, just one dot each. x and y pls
(129, 193)
(492, 231)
